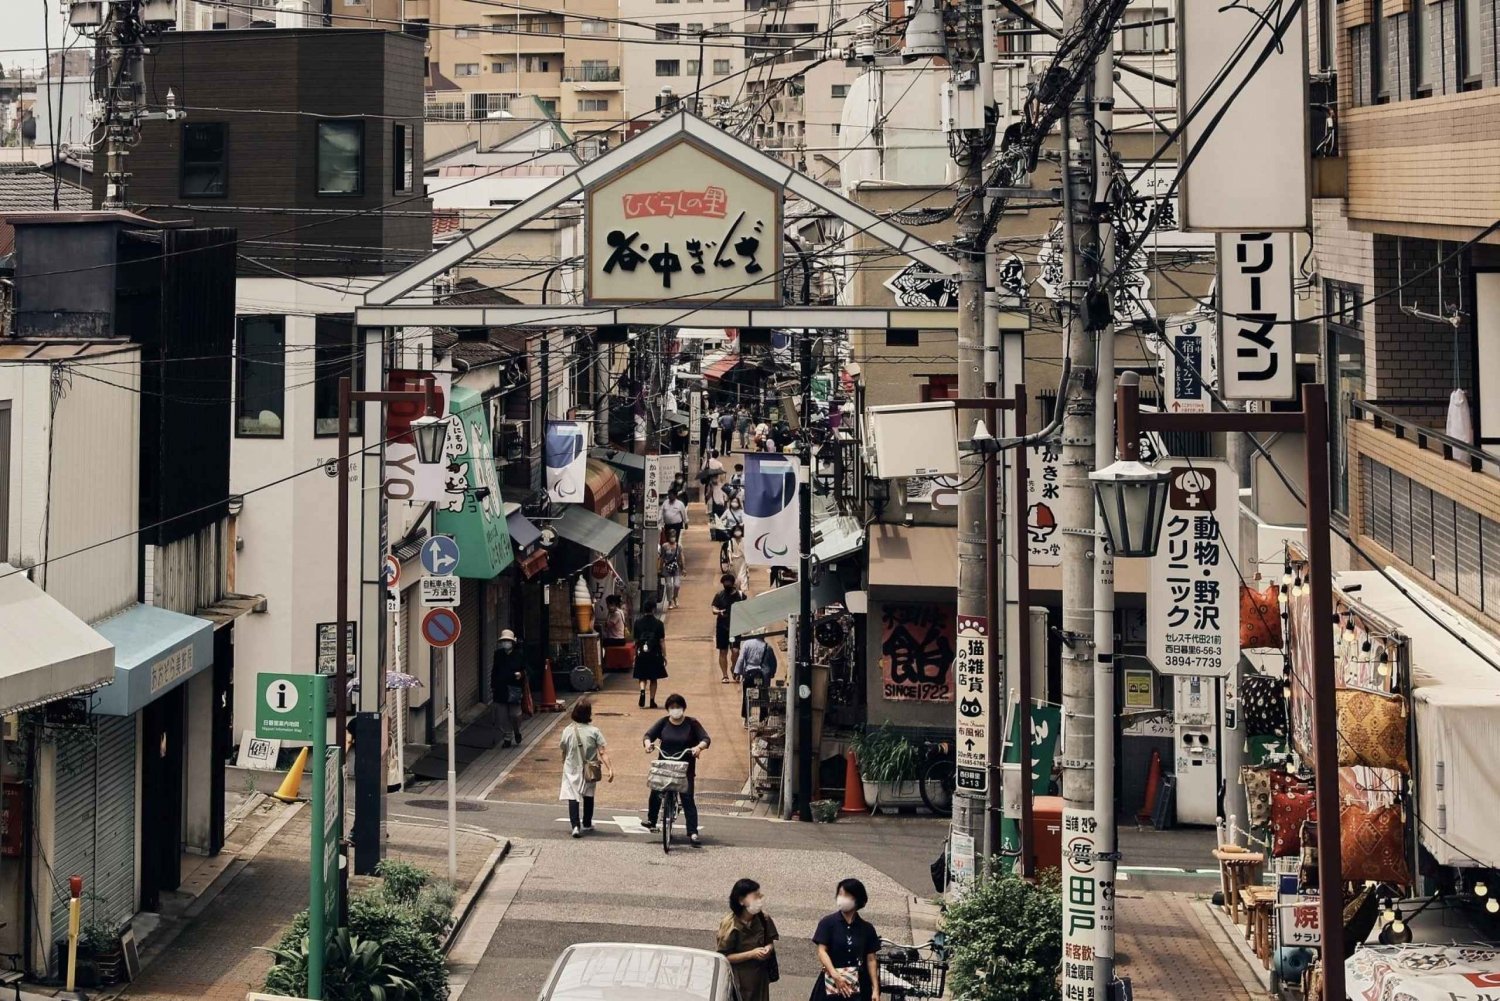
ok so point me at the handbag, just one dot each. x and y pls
(593, 770)
(1373, 844)
(772, 964)
(1372, 730)
(1260, 618)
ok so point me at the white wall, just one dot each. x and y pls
(910, 148)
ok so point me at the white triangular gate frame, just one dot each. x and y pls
(383, 308)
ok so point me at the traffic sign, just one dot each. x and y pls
(440, 555)
(284, 705)
(440, 627)
(391, 571)
(440, 591)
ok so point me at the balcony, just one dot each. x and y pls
(1426, 502)
(592, 77)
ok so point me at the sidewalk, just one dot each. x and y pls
(213, 954)
(693, 673)
(1164, 945)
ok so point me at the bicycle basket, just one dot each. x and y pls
(666, 774)
(913, 978)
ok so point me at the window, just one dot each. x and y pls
(417, 26)
(260, 377)
(341, 158)
(668, 31)
(536, 64)
(468, 31)
(1471, 43)
(465, 69)
(594, 28)
(1379, 65)
(205, 148)
(721, 103)
(501, 66)
(548, 105)
(692, 67)
(837, 128)
(1327, 25)
(721, 27)
(940, 387)
(900, 337)
(1345, 367)
(337, 352)
(668, 67)
(403, 158)
(721, 67)
(1421, 66)
(1144, 30)
(695, 27)
(840, 90)
(593, 104)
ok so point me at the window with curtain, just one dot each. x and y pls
(341, 158)
(260, 376)
(205, 156)
(337, 352)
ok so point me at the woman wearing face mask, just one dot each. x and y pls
(677, 735)
(732, 559)
(508, 682)
(847, 947)
(747, 939)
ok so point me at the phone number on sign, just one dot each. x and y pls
(1206, 662)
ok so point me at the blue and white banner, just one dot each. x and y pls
(567, 454)
(771, 511)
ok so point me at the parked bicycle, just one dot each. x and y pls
(669, 778)
(913, 971)
(938, 777)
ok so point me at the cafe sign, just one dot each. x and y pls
(684, 226)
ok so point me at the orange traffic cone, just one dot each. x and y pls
(549, 691)
(292, 784)
(854, 788)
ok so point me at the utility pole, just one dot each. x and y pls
(806, 753)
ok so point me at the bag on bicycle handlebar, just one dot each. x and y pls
(668, 774)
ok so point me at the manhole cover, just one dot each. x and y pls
(463, 805)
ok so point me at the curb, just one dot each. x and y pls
(1226, 937)
(465, 904)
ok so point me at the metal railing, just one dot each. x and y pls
(1425, 437)
(591, 74)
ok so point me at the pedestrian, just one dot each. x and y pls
(650, 651)
(733, 516)
(723, 601)
(674, 516)
(726, 430)
(732, 559)
(736, 485)
(585, 762)
(677, 735)
(755, 666)
(847, 947)
(745, 424)
(718, 500)
(670, 563)
(612, 623)
(762, 430)
(747, 938)
(508, 683)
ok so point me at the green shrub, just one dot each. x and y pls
(401, 882)
(1005, 937)
(434, 908)
(355, 970)
(884, 755)
(418, 954)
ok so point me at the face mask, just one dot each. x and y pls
(846, 904)
(754, 904)
(675, 715)
(506, 646)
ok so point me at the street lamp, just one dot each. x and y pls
(431, 434)
(1132, 497)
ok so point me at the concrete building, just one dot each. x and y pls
(679, 48)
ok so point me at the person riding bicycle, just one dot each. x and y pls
(677, 735)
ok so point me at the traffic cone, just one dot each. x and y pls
(549, 691)
(854, 788)
(287, 791)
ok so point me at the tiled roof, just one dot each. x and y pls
(25, 187)
(445, 222)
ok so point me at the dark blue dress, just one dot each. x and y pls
(849, 943)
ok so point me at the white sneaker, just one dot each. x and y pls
(577, 833)
(587, 828)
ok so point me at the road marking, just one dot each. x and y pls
(627, 823)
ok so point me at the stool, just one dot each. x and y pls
(1260, 904)
(1236, 871)
(12, 978)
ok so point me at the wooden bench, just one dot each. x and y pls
(1237, 870)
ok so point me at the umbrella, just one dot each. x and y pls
(398, 679)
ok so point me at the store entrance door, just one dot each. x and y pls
(161, 797)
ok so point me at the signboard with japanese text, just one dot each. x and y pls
(961, 859)
(1257, 306)
(328, 648)
(1042, 478)
(284, 706)
(684, 226)
(971, 718)
(565, 445)
(695, 417)
(333, 833)
(440, 591)
(1297, 922)
(651, 504)
(1140, 688)
(1193, 607)
(1190, 364)
(916, 652)
(1080, 904)
(475, 513)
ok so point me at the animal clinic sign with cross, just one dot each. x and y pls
(686, 227)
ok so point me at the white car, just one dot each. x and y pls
(624, 971)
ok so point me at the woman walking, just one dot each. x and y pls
(650, 650)
(680, 736)
(669, 560)
(747, 938)
(585, 762)
(732, 559)
(847, 947)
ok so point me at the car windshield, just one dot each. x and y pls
(623, 973)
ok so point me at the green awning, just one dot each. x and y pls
(772, 608)
(587, 529)
(478, 524)
(837, 537)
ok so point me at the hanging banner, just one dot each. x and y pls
(695, 417)
(474, 514)
(651, 504)
(566, 447)
(916, 652)
(402, 476)
(1193, 607)
(1256, 308)
(1190, 364)
(1042, 471)
(771, 511)
(1080, 904)
(971, 720)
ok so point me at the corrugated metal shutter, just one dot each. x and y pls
(466, 666)
(95, 822)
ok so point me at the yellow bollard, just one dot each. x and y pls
(75, 920)
(287, 791)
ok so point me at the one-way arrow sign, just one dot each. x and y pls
(440, 555)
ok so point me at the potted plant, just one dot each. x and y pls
(888, 765)
(102, 945)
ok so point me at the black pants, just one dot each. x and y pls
(726, 440)
(689, 809)
(751, 679)
(588, 812)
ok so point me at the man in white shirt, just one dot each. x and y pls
(755, 667)
(673, 515)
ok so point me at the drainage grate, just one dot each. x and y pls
(463, 805)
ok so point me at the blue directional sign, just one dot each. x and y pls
(440, 555)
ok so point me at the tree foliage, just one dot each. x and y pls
(1005, 937)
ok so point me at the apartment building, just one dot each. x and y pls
(206, 15)
(680, 50)
(490, 61)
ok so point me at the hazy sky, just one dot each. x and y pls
(21, 28)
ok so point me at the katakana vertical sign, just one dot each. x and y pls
(685, 226)
(1256, 311)
(971, 719)
(1043, 469)
(1193, 608)
(1080, 904)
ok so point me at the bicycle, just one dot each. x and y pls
(904, 973)
(938, 777)
(669, 778)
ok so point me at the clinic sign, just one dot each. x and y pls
(1193, 607)
(684, 226)
(1257, 309)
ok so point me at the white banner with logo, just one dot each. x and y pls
(567, 453)
(771, 511)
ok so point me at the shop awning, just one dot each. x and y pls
(675, 417)
(523, 533)
(601, 489)
(626, 462)
(772, 608)
(1456, 702)
(922, 556)
(836, 538)
(155, 651)
(46, 652)
(720, 368)
(599, 535)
